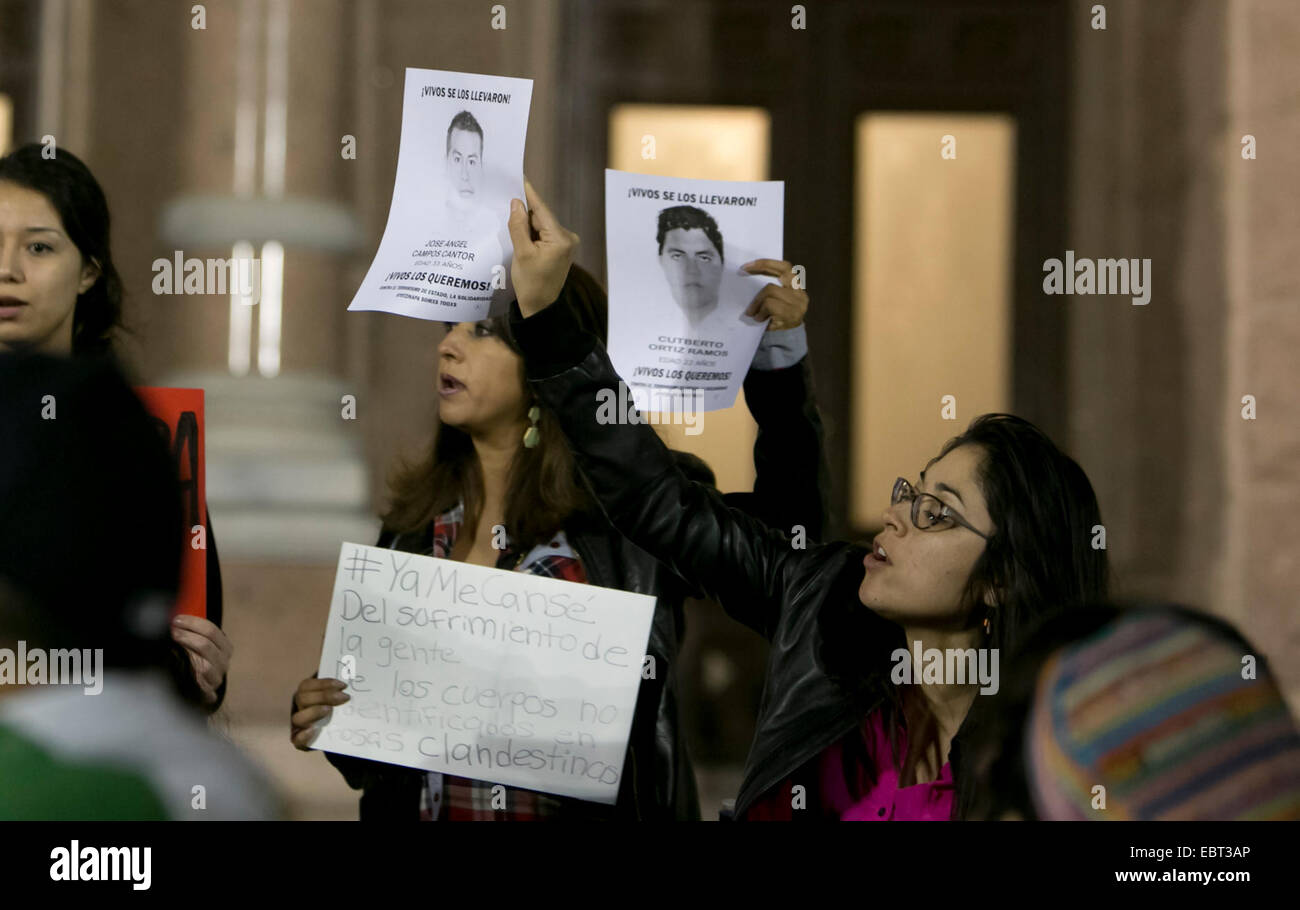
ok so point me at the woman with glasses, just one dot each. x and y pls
(996, 533)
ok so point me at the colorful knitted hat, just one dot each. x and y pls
(1156, 709)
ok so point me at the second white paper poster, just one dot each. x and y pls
(678, 335)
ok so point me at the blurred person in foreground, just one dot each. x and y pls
(90, 556)
(1146, 713)
(60, 294)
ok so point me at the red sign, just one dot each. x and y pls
(178, 414)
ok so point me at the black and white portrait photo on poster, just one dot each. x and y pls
(445, 254)
(678, 333)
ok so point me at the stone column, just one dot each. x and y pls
(1199, 504)
(287, 478)
(1261, 512)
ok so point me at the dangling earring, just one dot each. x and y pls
(532, 435)
(987, 630)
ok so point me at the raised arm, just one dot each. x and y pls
(725, 553)
(789, 458)
(721, 551)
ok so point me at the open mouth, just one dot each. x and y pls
(11, 306)
(878, 556)
(449, 385)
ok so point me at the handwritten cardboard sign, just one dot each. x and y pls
(178, 415)
(483, 673)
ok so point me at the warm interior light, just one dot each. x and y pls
(6, 123)
(241, 318)
(931, 290)
(268, 320)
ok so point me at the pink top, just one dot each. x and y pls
(886, 801)
(882, 802)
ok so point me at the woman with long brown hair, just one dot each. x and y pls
(500, 460)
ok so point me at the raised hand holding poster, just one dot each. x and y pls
(677, 296)
(445, 254)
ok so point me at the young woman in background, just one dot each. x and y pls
(994, 535)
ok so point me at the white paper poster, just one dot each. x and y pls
(483, 673)
(445, 254)
(677, 331)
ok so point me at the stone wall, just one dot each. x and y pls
(1199, 504)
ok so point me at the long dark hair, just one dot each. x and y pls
(544, 490)
(1039, 561)
(76, 196)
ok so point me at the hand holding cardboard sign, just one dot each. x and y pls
(313, 704)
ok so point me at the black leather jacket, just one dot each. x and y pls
(658, 781)
(827, 653)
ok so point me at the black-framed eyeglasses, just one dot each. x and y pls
(929, 512)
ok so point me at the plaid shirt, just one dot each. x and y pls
(446, 797)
